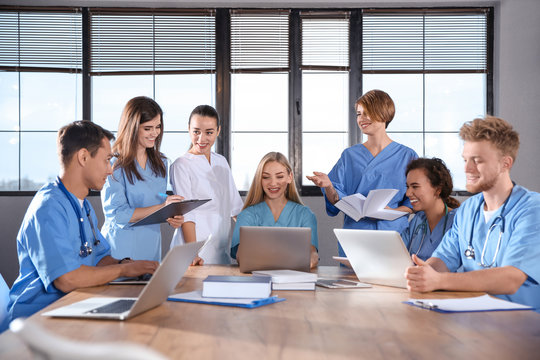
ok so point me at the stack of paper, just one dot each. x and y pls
(249, 287)
(289, 279)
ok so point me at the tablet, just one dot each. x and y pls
(168, 211)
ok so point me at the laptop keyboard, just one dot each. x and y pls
(116, 307)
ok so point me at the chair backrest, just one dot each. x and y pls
(4, 301)
(47, 345)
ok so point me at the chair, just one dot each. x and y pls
(4, 301)
(45, 345)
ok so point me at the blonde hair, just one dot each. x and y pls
(378, 106)
(256, 192)
(495, 130)
(136, 112)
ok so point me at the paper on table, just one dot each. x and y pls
(479, 303)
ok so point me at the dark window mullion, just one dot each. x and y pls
(223, 81)
(295, 95)
(86, 62)
(355, 73)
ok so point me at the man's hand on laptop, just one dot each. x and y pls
(422, 277)
(138, 267)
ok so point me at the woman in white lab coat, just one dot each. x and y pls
(203, 174)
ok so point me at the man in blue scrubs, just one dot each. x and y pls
(59, 245)
(495, 233)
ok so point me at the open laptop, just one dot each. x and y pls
(161, 285)
(274, 248)
(376, 256)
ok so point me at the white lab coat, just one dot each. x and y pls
(194, 178)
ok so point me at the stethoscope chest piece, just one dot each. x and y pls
(469, 252)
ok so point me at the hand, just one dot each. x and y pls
(197, 261)
(139, 267)
(172, 199)
(176, 221)
(314, 259)
(320, 179)
(422, 277)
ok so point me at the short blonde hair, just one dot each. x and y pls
(378, 106)
(495, 130)
(256, 192)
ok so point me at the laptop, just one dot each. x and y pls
(159, 287)
(274, 248)
(376, 256)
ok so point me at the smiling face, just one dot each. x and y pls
(98, 167)
(422, 194)
(203, 131)
(148, 133)
(365, 124)
(484, 165)
(275, 179)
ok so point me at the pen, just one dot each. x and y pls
(425, 305)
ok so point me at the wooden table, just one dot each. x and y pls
(322, 324)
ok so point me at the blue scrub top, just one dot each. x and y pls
(519, 245)
(358, 171)
(418, 229)
(48, 247)
(292, 215)
(120, 198)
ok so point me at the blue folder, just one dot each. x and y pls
(196, 297)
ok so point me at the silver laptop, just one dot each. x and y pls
(274, 248)
(376, 256)
(160, 286)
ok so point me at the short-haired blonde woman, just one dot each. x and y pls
(139, 176)
(378, 163)
(273, 200)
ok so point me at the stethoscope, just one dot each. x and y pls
(423, 227)
(86, 248)
(469, 252)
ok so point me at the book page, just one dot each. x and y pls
(378, 199)
(352, 205)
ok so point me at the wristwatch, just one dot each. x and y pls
(126, 258)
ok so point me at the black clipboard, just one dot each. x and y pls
(171, 210)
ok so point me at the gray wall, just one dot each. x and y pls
(14, 207)
(516, 94)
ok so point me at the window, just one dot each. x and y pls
(325, 89)
(167, 56)
(259, 90)
(282, 80)
(40, 91)
(435, 67)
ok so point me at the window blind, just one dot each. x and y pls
(259, 40)
(325, 42)
(152, 43)
(40, 40)
(432, 42)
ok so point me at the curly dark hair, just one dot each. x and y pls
(439, 177)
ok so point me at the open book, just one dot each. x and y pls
(358, 206)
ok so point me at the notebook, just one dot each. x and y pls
(160, 286)
(273, 248)
(376, 256)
